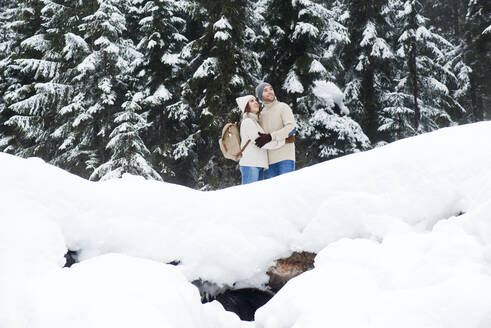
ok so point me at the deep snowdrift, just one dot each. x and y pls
(392, 251)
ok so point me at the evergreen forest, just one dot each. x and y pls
(106, 87)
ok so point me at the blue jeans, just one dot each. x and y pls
(280, 168)
(251, 174)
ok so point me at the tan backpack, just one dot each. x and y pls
(230, 142)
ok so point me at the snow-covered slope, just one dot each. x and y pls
(383, 222)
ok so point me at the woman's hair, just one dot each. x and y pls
(247, 108)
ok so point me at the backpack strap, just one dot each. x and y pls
(243, 148)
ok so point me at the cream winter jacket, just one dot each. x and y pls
(253, 155)
(277, 119)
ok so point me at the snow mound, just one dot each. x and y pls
(437, 279)
(402, 233)
(115, 290)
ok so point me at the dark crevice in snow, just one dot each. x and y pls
(243, 302)
(176, 262)
(71, 257)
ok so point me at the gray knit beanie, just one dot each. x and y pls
(259, 90)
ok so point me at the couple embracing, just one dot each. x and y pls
(270, 132)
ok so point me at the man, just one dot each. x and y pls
(278, 122)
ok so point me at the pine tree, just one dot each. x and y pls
(368, 60)
(34, 65)
(8, 50)
(160, 74)
(221, 68)
(302, 44)
(128, 151)
(448, 19)
(44, 102)
(62, 18)
(329, 133)
(285, 38)
(422, 100)
(477, 55)
(40, 101)
(295, 46)
(106, 76)
(462, 23)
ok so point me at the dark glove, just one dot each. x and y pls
(263, 139)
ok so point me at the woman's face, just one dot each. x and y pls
(253, 105)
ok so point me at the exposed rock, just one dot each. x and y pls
(70, 258)
(287, 268)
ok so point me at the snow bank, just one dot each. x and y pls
(29, 247)
(386, 224)
(411, 184)
(437, 279)
(115, 291)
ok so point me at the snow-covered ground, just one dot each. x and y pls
(402, 232)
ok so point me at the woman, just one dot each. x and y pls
(254, 160)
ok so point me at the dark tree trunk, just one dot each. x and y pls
(413, 76)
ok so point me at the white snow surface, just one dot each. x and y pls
(292, 84)
(331, 93)
(220, 35)
(222, 24)
(317, 67)
(207, 68)
(402, 232)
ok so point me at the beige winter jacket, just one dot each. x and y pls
(253, 155)
(277, 119)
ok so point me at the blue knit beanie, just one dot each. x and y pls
(259, 90)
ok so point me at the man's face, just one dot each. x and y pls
(268, 94)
